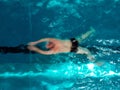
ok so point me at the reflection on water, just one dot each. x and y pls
(60, 71)
(64, 75)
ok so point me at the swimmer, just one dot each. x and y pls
(56, 46)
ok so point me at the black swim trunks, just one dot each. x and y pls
(75, 44)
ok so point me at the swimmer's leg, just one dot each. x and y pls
(82, 50)
(85, 35)
(91, 57)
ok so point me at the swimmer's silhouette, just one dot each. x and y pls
(56, 46)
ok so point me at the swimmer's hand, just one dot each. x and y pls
(32, 48)
(32, 43)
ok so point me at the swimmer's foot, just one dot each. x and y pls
(99, 63)
(87, 34)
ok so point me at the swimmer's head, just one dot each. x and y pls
(50, 45)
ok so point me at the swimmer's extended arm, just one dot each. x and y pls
(85, 35)
(34, 48)
(39, 41)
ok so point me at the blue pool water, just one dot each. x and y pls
(23, 21)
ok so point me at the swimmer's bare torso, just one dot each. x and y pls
(54, 45)
(60, 45)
